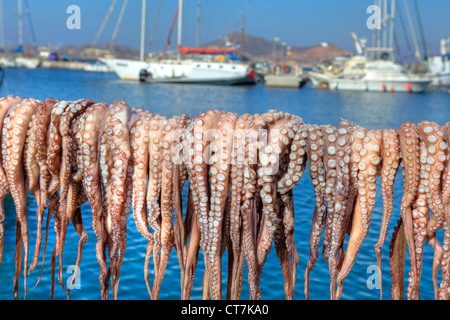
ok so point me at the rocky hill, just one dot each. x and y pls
(254, 47)
(260, 48)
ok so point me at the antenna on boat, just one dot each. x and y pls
(197, 38)
(19, 10)
(241, 49)
(2, 26)
(180, 17)
(143, 13)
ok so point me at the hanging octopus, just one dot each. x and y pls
(88, 172)
(241, 172)
(389, 168)
(14, 134)
(5, 105)
(370, 159)
(315, 152)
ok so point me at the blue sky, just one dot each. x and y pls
(297, 22)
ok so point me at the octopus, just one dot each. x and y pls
(242, 172)
(336, 222)
(368, 160)
(37, 170)
(5, 105)
(15, 126)
(432, 138)
(88, 172)
(389, 168)
(115, 153)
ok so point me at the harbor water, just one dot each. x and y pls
(370, 110)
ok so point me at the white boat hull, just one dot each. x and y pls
(413, 85)
(441, 80)
(28, 63)
(96, 67)
(189, 71)
(126, 69)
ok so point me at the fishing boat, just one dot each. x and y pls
(375, 68)
(381, 75)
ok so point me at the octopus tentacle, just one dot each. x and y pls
(155, 150)
(432, 137)
(315, 152)
(75, 198)
(365, 201)
(167, 199)
(330, 163)
(114, 156)
(68, 161)
(13, 140)
(409, 148)
(179, 179)
(139, 140)
(88, 164)
(199, 136)
(420, 212)
(272, 158)
(5, 105)
(341, 199)
(220, 161)
(293, 166)
(43, 117)
(237, 192)
(397, 256)
(248, 208)
(391, 162)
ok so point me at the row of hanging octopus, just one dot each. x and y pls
(241, 172)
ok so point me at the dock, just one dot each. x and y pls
(283, 81)
(71, 65)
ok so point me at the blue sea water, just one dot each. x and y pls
(371, 110)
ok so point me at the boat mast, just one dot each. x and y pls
(180, 17)
(20, 22)
(419, 20)
(199, 7)
(108, 15)
(242, 34)
(2, 26)
(155, 23)
(385, 20)
(378, 37)
(374, 33)
(143, 14)
(391, 35)
(119, 20)
(413, 33)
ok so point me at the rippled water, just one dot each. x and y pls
(371, 110)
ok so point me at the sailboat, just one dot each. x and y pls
(17, 60)
(222, 70)
(380, 72)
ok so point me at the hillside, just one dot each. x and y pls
(256, 48)
(260, 48)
